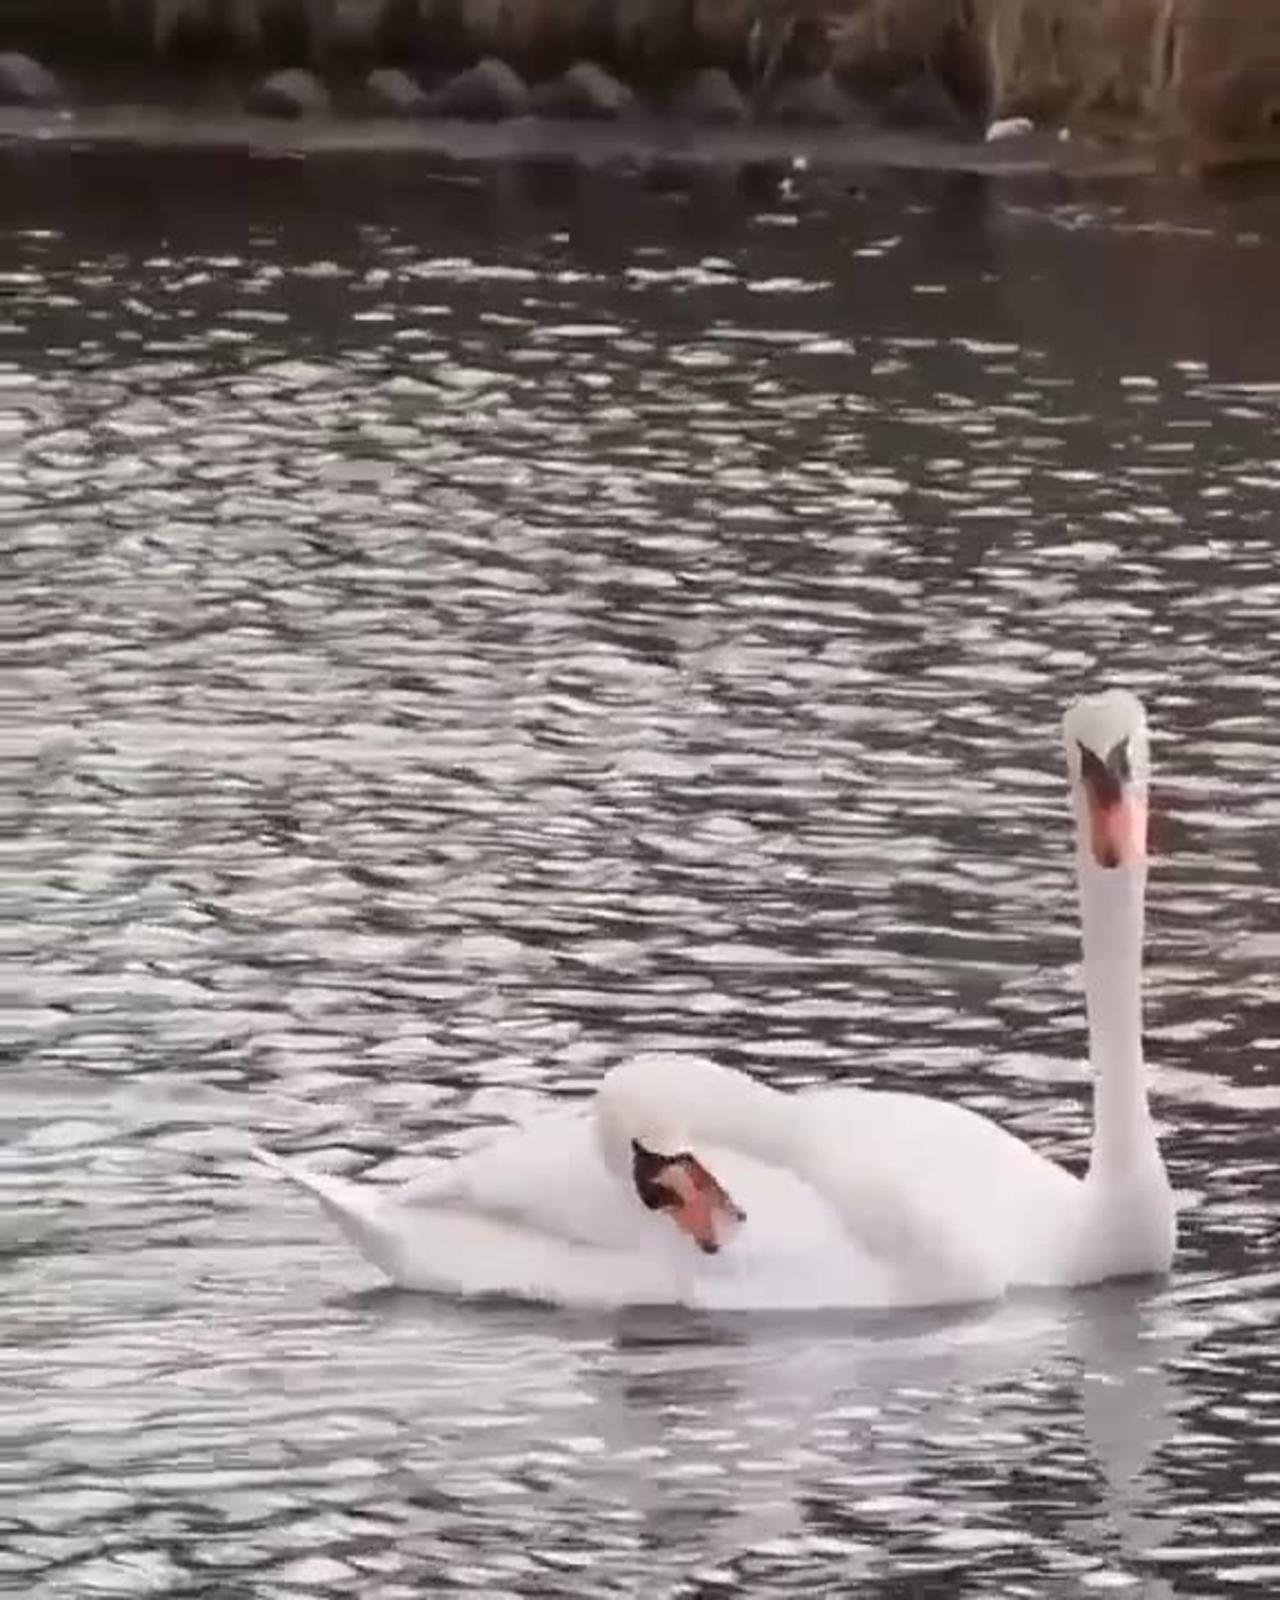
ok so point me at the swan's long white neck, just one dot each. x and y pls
(675, 1099)
(1112, 907)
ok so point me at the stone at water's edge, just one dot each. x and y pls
(710, 97)
(292, 93)
(817, 101)
(925, 105)
(394, 93)
(488, 92)
(585, 93)
(917, 65)
(24, 82)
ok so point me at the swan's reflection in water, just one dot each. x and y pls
(1029, 1438)
(908, 1451)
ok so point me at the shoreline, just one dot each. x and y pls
(638, 142)
(1134, 86)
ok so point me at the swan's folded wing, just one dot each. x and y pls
(547, 1178)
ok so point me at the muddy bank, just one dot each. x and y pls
(1201, 77)
(648, 147)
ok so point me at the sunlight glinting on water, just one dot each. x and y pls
(449, 658)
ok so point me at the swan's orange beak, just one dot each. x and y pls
(1115, 812)
(695, 1200)
(702, 1206)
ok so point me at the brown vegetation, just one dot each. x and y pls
(1224, 70)
(1204, 70)
(1070, 58)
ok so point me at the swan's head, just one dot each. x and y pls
(1108, 759)
(646, 1147)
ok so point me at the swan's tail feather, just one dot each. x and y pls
(304, 1177)
(270, 1159)
(333, 1193)
(357, 1209)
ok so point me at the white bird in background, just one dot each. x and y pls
(686, 1182)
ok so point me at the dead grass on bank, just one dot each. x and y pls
(1209, 69)
(1053, 58)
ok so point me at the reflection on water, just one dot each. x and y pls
(459, 643)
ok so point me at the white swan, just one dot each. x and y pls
(690, 1183)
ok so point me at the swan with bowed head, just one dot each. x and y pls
(685, 1182)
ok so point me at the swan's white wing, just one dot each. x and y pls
(542, 1205)
(536, 1214)
(546, 1177)
(455, 1252)
(423, 1237)
(549, 1178)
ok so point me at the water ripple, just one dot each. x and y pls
(448, 651)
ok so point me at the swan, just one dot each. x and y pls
(687, 1182)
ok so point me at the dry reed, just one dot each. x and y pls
(1209, 68)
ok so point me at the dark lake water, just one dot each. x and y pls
(463, 628)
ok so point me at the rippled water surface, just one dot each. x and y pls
(464, 629)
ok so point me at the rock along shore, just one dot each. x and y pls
(1198, 77)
